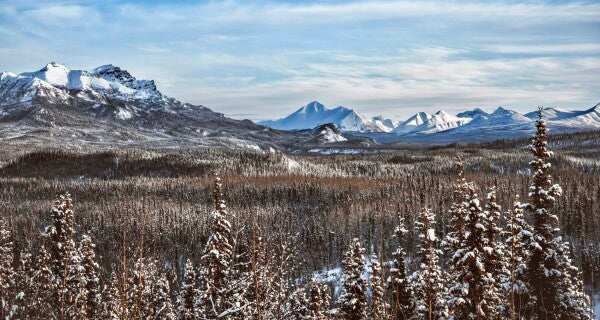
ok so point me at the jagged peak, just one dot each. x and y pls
(314, 106)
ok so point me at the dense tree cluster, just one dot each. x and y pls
(479, 262)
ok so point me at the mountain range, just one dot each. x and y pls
(108, 106)
(438, 125)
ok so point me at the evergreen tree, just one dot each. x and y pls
(495, 259)
(111, 307)
(298, 305)
(458, 212)
(7, 274)
(402, 307)
(473, 293)
(44, 287)
(519, 235)
(188, 295)
(65, 261)
(318, 302)
(161, 304)
(90, 295)
(428, 287)
(219, 295)
(353, 300)
(378, 303)
(548, 271)
(24, 293)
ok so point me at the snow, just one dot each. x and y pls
(315, 114)
(124, 114)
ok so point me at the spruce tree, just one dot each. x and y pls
(44, 287)
(90, 295)
(519, 235)
(547, 269)
(495, 256)
(427, 283)
(353, 300)
(188, 295)
(65, 261)
(219, 296)
(378, 304)
(402, 307)
(318, 302)
(7, 274)
(474, 294)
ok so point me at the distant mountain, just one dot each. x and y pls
(430, 123)
(384, 124)
(107, 105)
(315, 114)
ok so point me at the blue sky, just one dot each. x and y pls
(264, 59)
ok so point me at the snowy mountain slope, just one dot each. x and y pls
(315, 114)
(411, 123)
(107, 105)
(430, 123)
(384, 124)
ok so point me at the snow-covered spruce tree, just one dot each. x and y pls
(111, 307)
(427, 283)
(548, 272)
(161, 304)
(401, 292)
(353, 300)
(317, 304)
(495, 259)
(458, 212)
(90, 295)
(23, 298)
(474, 294)
(298, 305)
(44, 287)
(7, 273)
(519, 235)
(187, 300)
(217, 296)
(65, 260)
(378, 304)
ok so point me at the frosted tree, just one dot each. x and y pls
(458, 212)
(378, 304)
(548, 271)
(187, 300)
(23, 297)
(519, 235)
(90, 295)
(219, 296)
(353, 300)
(44, 287)
(399, 286)
(160, 303)
(65, 260)
(428, 287)
(7, 274)
(474, 294)
(111, 307)
(318, 301)
(495, 259)
(298, 305)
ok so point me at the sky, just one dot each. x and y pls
(264, 59)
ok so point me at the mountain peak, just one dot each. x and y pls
(313, 107)
(502, 111)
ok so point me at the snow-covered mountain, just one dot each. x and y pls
(107, 105)
(315, 114)
(384, 124)
(423, 122)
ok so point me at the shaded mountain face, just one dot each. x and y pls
(107, 105)
(315, 114)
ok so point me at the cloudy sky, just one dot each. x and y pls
(264, 59)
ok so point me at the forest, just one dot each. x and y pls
(502, 230)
